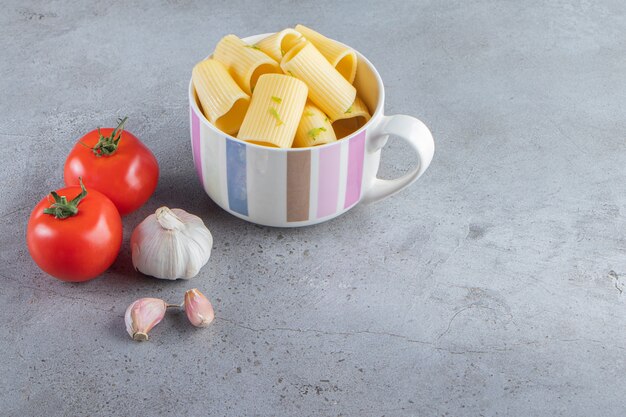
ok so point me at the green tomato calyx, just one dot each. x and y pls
(107, 145)
(61, 208)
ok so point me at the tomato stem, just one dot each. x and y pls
(61, 208)
(107, 145)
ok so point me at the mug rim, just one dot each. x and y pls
(375, 115)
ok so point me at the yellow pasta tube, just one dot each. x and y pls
(275, 110)
(327, 88)
(341, 57)
(352, 120)
(223, 103)
(278, 44)
(245, 63)
(314, 128)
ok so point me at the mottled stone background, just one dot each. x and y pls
(493, 286)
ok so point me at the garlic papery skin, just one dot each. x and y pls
(142, 315)
(171, 244)
(198, 308)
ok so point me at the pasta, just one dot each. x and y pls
(222, 101)
(352, 120)
(275, 110)
(327, 88)
(341, 57)
(314, 128)
(293, 88)
(246, 63)
(278, 44)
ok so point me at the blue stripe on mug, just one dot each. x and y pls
(236, 176)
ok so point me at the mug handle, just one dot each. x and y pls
(417, 135)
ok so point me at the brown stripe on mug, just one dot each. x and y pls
(298, 182)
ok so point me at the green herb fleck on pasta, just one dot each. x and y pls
(276, 116)
(315, 132)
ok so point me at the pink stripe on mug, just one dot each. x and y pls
(328, 180)
(356, 153)
(195, 144)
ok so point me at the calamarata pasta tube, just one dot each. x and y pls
(332, 93)
(223, 103)
(352, 120)
(314, 128)
(246, 63)
(341, 57)
(275, 110)
(278, 44)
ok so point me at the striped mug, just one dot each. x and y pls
(300, 187)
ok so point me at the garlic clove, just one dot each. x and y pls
(171, 244)
(142, 315)
(198, 308)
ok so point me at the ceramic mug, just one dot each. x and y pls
(304, 186)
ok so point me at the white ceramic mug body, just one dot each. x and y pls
(300, 187)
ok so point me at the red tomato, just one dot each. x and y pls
(125, 171)
(79, 247)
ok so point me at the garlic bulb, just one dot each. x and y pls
(142, 315)
(198, 308)
(171, 244)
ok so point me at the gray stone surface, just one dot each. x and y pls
(493, 286)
